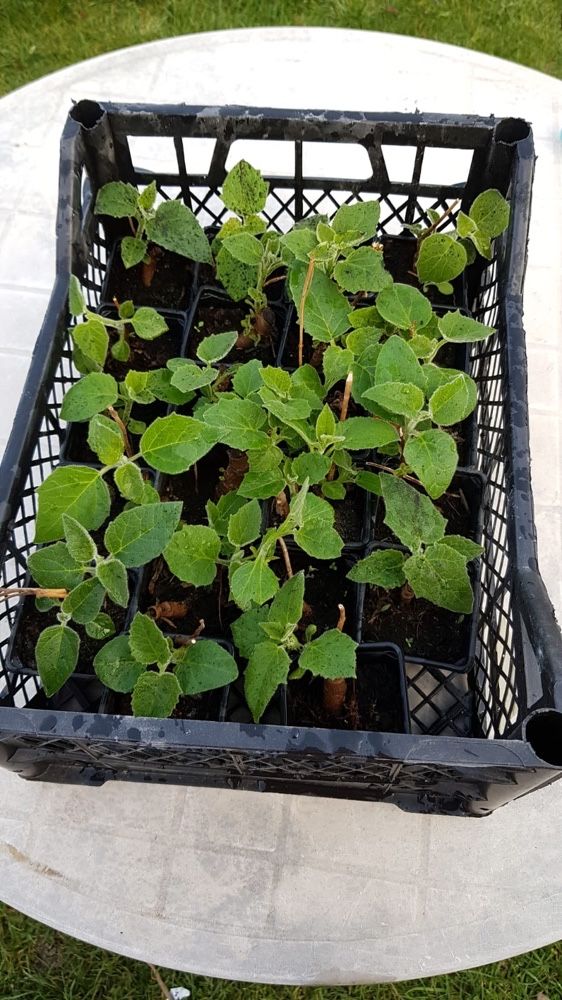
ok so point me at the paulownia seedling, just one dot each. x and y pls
(170, 225)
(158, 670)
(436, 568)
(266, 638)
(90, 338)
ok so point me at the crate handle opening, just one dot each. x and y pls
(543, 732)
(87, 113)
(512, 130)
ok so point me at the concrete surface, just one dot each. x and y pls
(273, 888)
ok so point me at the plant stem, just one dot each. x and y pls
(302, 303)
(335, 689)
(438, 221)
(286, 557)
(163, 988)
(343, 415)
(115, 416)
(55, 593)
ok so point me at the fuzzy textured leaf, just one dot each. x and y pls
(490, 212)
(318, 536)
(245, 524)
(133, 250)
(140, 534)
(56, 655)
(398, 397)
(116, 666)
(76, 301)
(155, 695)
(441, 577)
(268, 667)
(409, 514)
(366, 432)
(462, 329)
(72, 489)
(205, 666)
(81, 545)
(174, 443)
(237, 423)
(362, 271)
(336, 364)
(452, 402)
(362, 217)
(404, 307)
(91, 343)
(383, 568)
(244, 247)
(253, 583)
(237, 278)
(53, 566)
(247, 631)
(84, 603)
(192, 554)
(92, 394)
(146, 642)
(433, 456)
(216, 346)
(397, 362)
(148, 324)
(105, 439)
(440, 259)
(332, 655)
(175, 228)
(465, 546)
(244, 190)
(117, 199)
(112, 575)
(326, 308)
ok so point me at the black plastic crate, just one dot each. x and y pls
(479, 738)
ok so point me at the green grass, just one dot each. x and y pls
(39, 36)
(37, 963)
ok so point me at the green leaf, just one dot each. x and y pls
(286, 607)
(175, 228)
(490, 212)
(117, 200)
(336, 363)
(133, 250)
(126, 309)
(277, 380)
(105, 439)
(409, 514)
(130, 483)
(440, 258)
(383, 568)
(81, 545)
(56, 655)
(253, 583)
(244, 190)
(398, 397)
(140, 534)
(422, 346)
(362, 271)
(326, 423)
(148, 324)
(192, 554)
(76, 301)
(332, 655)
(84, 603)
(53, 566)
(245, 525)
(305, 382)
(369, 481)
(146, 642)
(364, 316)
(92, 394)
(326, 308)
(264, 478)
(100, 628)
(362, 217)
(155, 695)
(433, 457)
(465, 546)
(311, 466)
(137, 385)
(404, 307)
(72, 489)
(300, 242)
(237, 423)
(286, 410)
(219, 513)
(268, 667)
(441, 577)
(120, 350)
(247, 631)
(482, 243)
(92, 342)
(437, 376)
(216, 346)
(112, 575)
(205, 666)
(398, 363)
(148, 196)
(465, 225)
(452, 402)
(360, 340)
(318, 536)
(174, 443)
(116, 666)
(244, 247)
(187, 375)
(237, 278)
(366, 432)
(159, 383)
(248, 378)
(462, 329)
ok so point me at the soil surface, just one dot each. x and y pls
(178, 606)
(419, 627)
(460, 505)
(372, 702)
(325, 586)
(146, 355)
(169, 288)
(32, 623)
(204, 707)
(349, 515)
(214, 318)
(399, 255)
(312, 353)
(205, 481)
(238, 711)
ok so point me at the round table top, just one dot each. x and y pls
(278, 888)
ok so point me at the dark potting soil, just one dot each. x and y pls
(177, 606)
(325, 586)
(32, 623)
(372, 702)
(456, 505)
(237, 709)
(76, 447)
(419, 627)
(312, 352)
(204, 707)
(146, 355)
(170, 284)
(221, 319)
(349, 514)
(334, 400)
(399, 255)
(219, 472)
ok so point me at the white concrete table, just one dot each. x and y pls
(272, 888)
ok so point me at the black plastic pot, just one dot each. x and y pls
(399, 253)
(213, 299)
(125, 283)
(496, 730)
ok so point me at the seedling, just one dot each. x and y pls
(171, 225)
(159, 670)
(436, 567)
(266, 638)
(90, 338)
